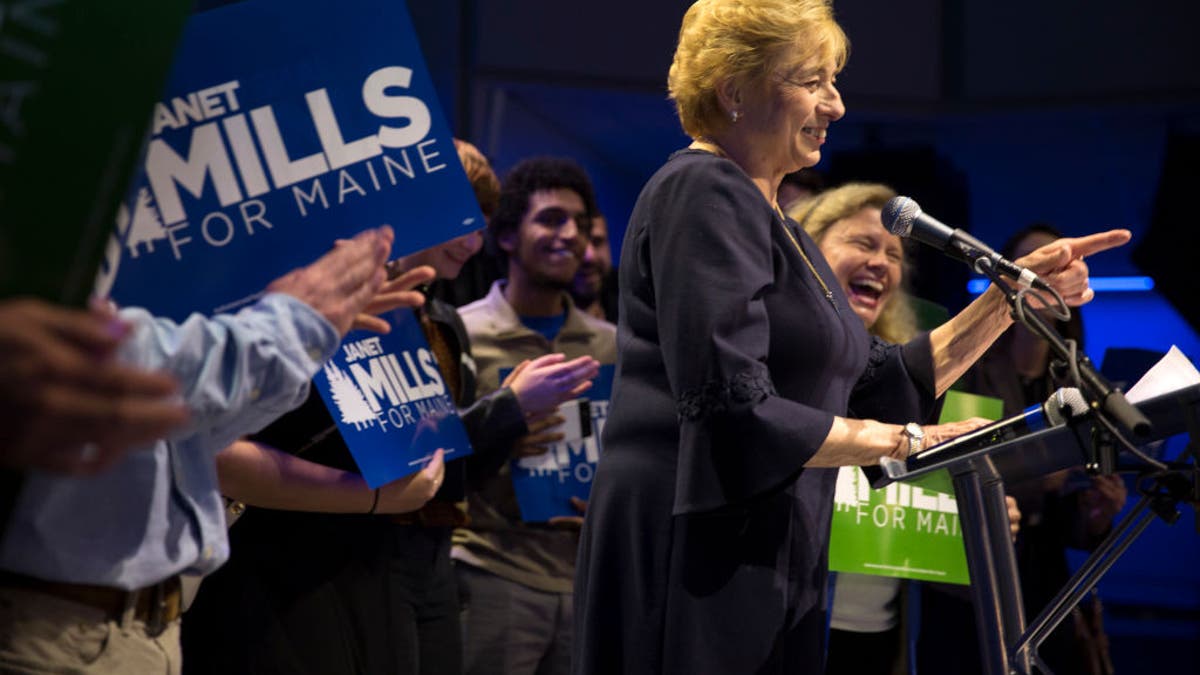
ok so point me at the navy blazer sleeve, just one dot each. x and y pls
(898, 385)
(710, 229)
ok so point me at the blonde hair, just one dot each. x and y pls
(897, 322)
(483, 179)
(745, 40)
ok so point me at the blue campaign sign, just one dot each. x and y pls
(390, 402)
(284, 126)
(544, 484)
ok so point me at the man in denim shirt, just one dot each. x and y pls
(89, 565)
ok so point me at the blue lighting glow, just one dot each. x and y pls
(1098, 284)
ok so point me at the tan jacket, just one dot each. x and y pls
(497, 541)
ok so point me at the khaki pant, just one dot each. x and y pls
(41, 633)
(511, 629)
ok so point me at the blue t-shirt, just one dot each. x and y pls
(548, 326)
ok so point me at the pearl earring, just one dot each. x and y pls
(735, 116)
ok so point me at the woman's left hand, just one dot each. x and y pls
(1060, 263)
(940, 433)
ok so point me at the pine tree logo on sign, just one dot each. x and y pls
(144, 228)
(901, 507)
(348, 398)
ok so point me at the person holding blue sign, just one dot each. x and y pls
(89, 566)
(744, 378)
(331, 576)
(515, 574)
(422, 582)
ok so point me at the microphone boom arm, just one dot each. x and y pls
(1107, 402)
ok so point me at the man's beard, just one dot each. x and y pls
(585, 293)
(540, 280)
(546, 281)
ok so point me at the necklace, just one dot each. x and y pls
(812, 268)
(714, 149)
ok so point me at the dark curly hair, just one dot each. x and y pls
(524, 179)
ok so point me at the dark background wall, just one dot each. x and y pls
(992, 115)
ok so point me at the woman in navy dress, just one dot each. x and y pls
(743, 376)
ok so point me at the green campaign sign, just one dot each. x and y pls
(78, 81)
(906, 530)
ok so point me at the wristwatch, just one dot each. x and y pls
(916, 436)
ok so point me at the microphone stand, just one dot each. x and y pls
(1107, 403)
(995, 583)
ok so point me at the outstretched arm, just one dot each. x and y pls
(958, 343)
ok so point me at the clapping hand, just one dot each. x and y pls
(340, 284)
(544, 383)
(394, 294)
(66, 403)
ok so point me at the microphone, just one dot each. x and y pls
(902, 216)
(1064, 404)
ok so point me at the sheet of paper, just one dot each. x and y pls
(1173, 372)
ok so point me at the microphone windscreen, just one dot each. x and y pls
(1072, 402)
(1064, 404)
(899, 214)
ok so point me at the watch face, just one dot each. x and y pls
(916, 436)
(913, 429)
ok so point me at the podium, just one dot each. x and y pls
(1007, 644)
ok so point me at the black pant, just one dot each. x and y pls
(324, 594)
(424, 596)
(301, 594)
(853, 653)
